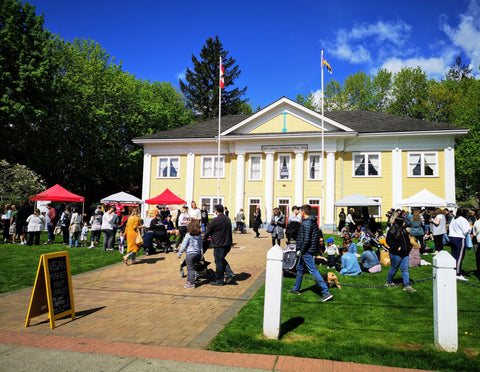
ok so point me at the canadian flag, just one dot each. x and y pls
(222, 73)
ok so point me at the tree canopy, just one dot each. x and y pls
(69, 112)
(201, 85)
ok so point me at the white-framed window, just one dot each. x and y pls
(211, 202)
(316, 204)
(283, 204)
(212, 168)
(314, 167)
(375, 211)
(168, 167)
(255, 168)
(366, 164)
(284, 168)
(423, 164)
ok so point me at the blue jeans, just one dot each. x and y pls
(222, 266)
(307, 260)
(458, 252)
(74, 238)
(402, 263)
(108, 236)
(51, 235)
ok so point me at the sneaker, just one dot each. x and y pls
(229, 279)
(462, 278)
(92, 246)
(216, 283)
(389, 284)
(409, 289)
(189, 285)
(325, 297)
(293, 291)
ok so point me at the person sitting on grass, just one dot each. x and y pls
(350, 245)
(369, 261)
(350, 264)
(193, 247)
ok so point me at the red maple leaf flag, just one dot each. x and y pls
(222, 73)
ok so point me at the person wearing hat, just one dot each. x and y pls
(220, 231)
(182, 224)
(331, 250)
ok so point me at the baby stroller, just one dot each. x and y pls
(375, 242)
(161, 237)
(201, 267)
(290, 258)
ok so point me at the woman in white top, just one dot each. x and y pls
(75, 227)
(194, 213)
(35, 225)
(457, 231)
(438, 227)
(108, 220)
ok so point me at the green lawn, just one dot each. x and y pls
(383, 326)
(19, 263)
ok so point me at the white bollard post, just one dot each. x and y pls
(445, 302)
(272, 312)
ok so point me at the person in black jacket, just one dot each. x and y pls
(220, 230)
(308, 245)
(400, 247)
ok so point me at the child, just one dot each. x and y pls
(369, 261)
(121, 241)
(193, 247)
(350, 264)
(84, 235)
(363, 237)
(331, 250)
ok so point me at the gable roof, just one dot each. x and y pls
(348, 122)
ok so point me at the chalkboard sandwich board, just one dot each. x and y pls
(52, 291)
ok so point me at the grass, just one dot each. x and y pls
(382, 326)
(19, 263)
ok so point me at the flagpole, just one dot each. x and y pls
(323, 155)
(219, 127)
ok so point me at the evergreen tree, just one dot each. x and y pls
(201, 85)
(459, 71)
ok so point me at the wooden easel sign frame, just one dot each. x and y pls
(52, 291)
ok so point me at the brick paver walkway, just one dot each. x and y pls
(143, 311)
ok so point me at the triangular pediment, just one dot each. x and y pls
(285, 116)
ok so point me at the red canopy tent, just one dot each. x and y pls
(166, 198)
(57, 193)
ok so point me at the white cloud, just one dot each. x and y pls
(467, 35)
(353, 45)
(181, 75)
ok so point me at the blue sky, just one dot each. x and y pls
(277, 44)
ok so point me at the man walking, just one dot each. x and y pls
(308, 244)
(220, 230)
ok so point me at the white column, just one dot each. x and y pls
(397, 181)
(147, 172)
(272, 308)
(330, 192)
(449, 154)
(240, 189)
(269, 167)
(299, 170)
(445, 322)
(190, 177)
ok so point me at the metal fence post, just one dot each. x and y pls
(445, 302)
(272, 312)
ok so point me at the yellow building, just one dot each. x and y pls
(287, 155)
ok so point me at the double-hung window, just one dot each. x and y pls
(366, 164)
(423, 164)
(212, 167)
(314, 167)
(284, 169)
(211, 202)
(168, 167)
(255, 168)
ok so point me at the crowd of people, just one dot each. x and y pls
(189, 230)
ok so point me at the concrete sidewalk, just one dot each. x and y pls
(140, 317)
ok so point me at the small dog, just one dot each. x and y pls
(331, 278)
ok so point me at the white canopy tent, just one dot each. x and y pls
(122, 198)
(356, 200)
(423, 198)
